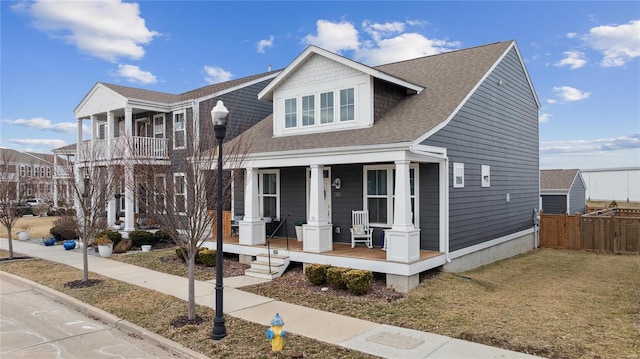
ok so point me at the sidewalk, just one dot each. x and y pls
(368, 337)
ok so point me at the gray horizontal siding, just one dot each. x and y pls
(429, 207)
(292, 198)
(577, 197)
(498, 127)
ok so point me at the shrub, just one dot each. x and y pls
(184, 259)
(40, 210)
(358, 281)
(139, 238)
(64, 228)
(162, 237)
(102, 240)
(207, 257)
(335, 279)
(317, 273)
(114, 236)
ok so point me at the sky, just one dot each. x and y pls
(583, 57)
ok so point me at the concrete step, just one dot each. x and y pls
(260, 267)
(275, 258)
(264, 265)
(260, 273)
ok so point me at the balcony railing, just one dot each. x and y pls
(142, 148)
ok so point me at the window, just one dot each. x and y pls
(102, 131)
(179, 131)
(308, 110)
(29, 171)
(180, 192)
(22, 171)
(48, 171)
(380, 193)
(326, 107)
(159, 192)
(347, 105)
(486, 176)
(41, 171)
(290, 113)
(268, 184)
(158, 126)
(458, 175)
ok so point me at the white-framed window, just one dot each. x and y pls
(320, 105)
(290, 113)
(347, 105)
(29, 171)
(179, 130)
(101, 130)
(22, 171)
(158, 126)
(269, 193)
(180, 192)
(160, 190)
(49, 172)
(486, 175)
(42, 172)
(326, 107)
(379, 196)
(458, 175)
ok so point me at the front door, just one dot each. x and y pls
(326, 180)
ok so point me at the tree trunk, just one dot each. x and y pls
(192, 292)
(10, 242)
(85, 261)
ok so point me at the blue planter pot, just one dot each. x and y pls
(49, 242)
(69, 244)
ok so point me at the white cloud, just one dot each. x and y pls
(264, 44)
(544, 117)
(573, 59)
(571, 35)
(570, 94)
(36, 145)
(336, 37)
(618, 43)
(214, 75)
(384, 43)
(552, 101)
(39, 123)
(107, 29)
(591, 146)
(135, 74)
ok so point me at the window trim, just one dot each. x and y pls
(261, 194)
(184, 129)
(176, 193)
(485, 172)
(390, 196)
(164, 125)
(458, 171)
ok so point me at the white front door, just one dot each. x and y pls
(326, 180)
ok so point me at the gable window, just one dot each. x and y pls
(268, 193)
(379, 193)
(486, 176)
(179, 130)
(158, 126)
(458, 175)
(308, 110)
(326, 107)
(290, 113)
(180, 192)
(347, 105)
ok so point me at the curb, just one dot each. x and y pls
(107, 318)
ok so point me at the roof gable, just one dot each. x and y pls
(558, 180)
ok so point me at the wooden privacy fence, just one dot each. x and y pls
(604, 232)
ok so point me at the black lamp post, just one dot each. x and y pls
(219, 118)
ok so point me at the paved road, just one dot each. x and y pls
(33, 325)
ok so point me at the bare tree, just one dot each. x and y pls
(180, 197)
(96, 174)
(11, 193)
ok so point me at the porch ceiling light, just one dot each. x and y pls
(219, 114)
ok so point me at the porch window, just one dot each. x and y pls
(179, 130)
(158, 126)
(268, 193)
(347, 105)
(326, 107)
(290, 113)
(308, 111)
(159, 192)
(380, 194)
(458, 175)
(180, 192)
(102, 131)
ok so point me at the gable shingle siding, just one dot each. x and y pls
(498, 126)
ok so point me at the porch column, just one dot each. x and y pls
(110, 131)
(111, 205)
(403, 239)
(129, 224)
(76, 165)
(317, 236)
(252, 229)
(55, 180)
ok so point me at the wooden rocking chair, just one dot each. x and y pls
(360, 230)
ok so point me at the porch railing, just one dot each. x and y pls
(141, 148)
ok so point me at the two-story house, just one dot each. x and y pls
(30, 172)
(442, 151)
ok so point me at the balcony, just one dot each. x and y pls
(142, 148)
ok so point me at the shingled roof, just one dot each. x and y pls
(557, 180)
(447, 78)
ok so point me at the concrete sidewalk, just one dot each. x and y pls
(368, 337)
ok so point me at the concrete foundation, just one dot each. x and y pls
(491, 254)
(402, 283)
(245, 259)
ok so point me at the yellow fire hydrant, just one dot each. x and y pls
(276, 333)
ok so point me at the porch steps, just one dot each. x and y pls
(260, 267)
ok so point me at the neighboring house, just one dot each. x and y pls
(441, 150)
(562, 191)
(613, 184)
(158, 127)
(30, 172)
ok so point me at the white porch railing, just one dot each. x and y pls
(141, 148)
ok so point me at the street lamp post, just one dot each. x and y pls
(219, 119)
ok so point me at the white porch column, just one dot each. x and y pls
(129, 224)
(317, 235)
(403, 239)
(110, 134)
(76, 165)
(252, 229)
(128, 122)
(55, 180)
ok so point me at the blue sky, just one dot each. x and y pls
(583, 57)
